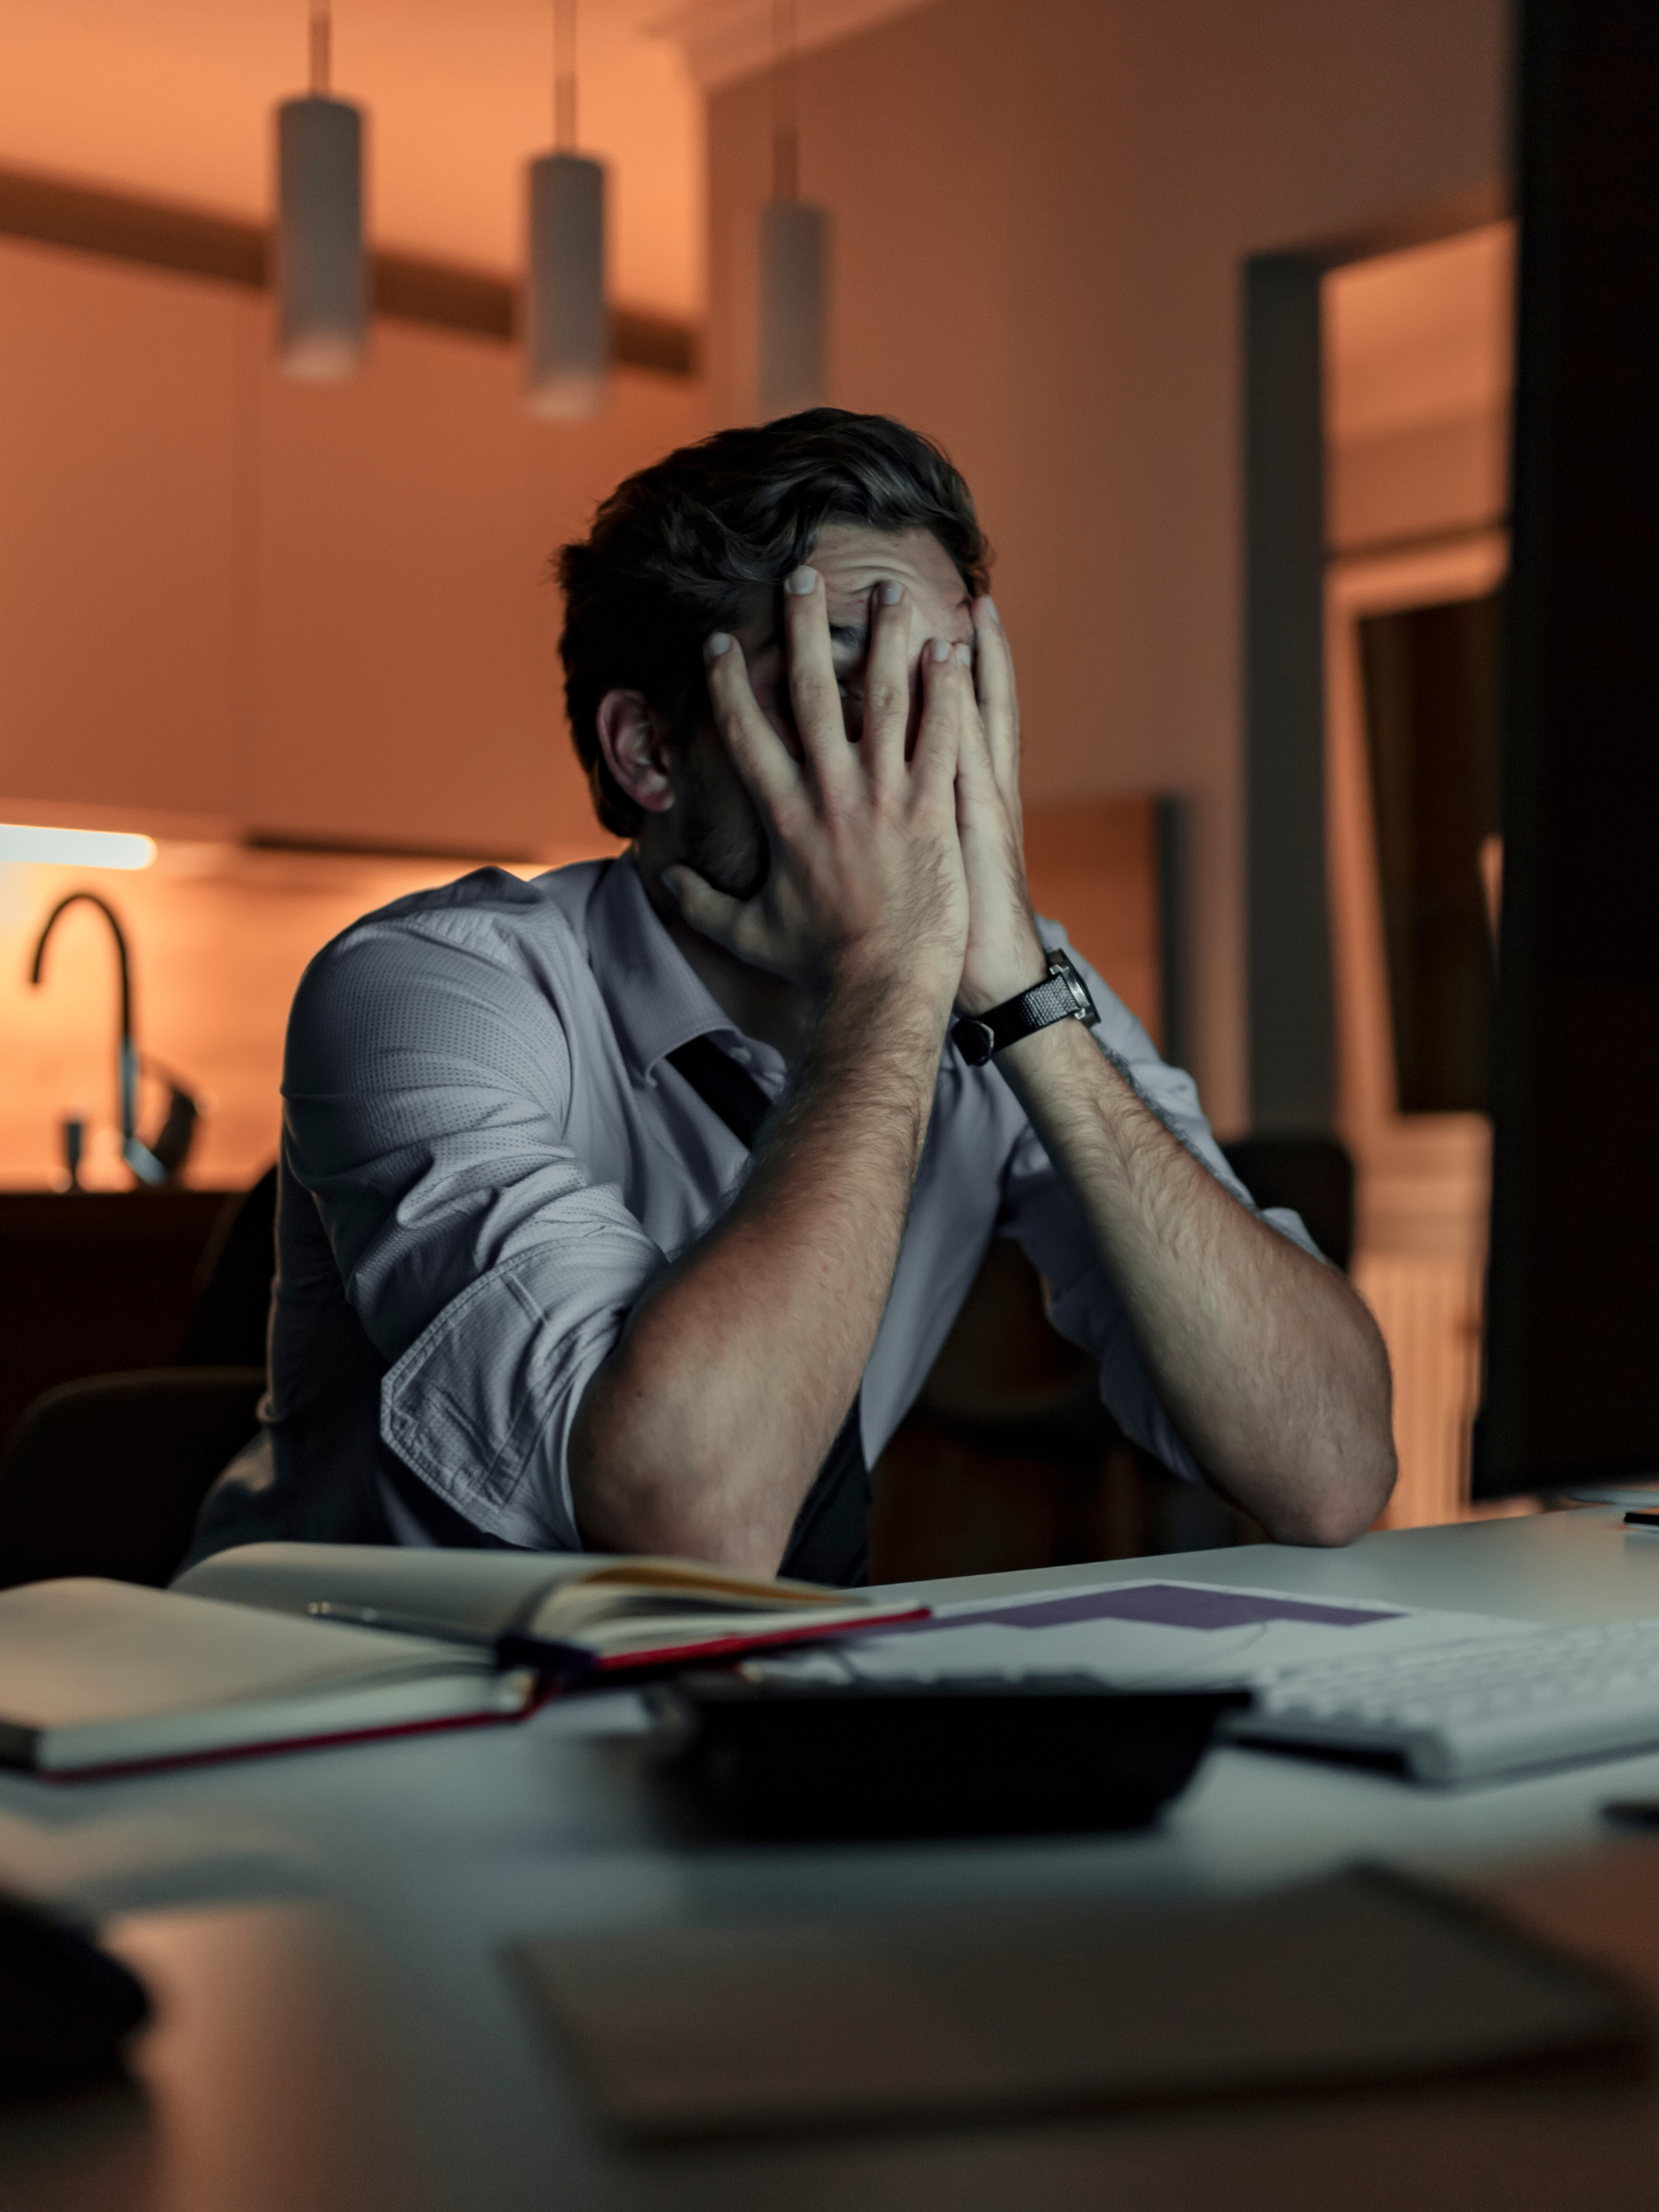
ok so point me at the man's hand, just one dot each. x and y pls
(1266, 1360)
(867, 878)
(702, 1432)
(1005, 955)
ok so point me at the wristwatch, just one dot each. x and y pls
(977, 1036)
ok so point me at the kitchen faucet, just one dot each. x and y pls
(160, 1163)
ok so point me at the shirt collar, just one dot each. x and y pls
(656, 1001)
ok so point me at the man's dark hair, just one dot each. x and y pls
(679, 550)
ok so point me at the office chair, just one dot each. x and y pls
(1313, 1175)
(1008, 1457)
(105, 1476)
(227, 1326)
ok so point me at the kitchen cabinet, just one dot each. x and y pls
(310, 613)
(124, 580)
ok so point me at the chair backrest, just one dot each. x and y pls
(1313, 1175)
(106, 1476)
(228, 1324)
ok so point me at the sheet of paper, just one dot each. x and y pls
(926, 2020)
(1156, 1634)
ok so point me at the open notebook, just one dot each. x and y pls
(572, 1615)
(99, 1676)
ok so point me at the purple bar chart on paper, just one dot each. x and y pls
(1164, 1604)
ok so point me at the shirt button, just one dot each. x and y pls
(742, 1054)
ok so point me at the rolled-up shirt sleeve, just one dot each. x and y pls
(1040, 1213)
(427, 1100)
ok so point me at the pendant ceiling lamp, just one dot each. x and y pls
(322, 276)
(567, 329)
(793, 242)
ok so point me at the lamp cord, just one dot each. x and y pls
(786, 140)
(322, 56)
(564, 75)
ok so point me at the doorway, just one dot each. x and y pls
(1418, 348)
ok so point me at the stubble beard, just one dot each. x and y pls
(720, 832)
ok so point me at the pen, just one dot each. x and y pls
(1632, 1812)
(567, 1662)
(400, 1624)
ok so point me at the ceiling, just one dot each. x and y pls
(173, 98)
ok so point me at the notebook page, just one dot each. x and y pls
(82, 1651)
(487, 1591)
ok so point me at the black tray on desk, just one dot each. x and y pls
(1033, 1755)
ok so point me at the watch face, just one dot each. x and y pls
(1087, 1010)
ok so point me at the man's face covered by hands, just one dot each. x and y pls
(720, 832)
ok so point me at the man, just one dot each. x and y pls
(535, 1287)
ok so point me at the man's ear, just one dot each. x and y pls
(634, 743)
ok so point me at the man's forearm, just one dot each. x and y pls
(1266, 1360)
(703, 1430)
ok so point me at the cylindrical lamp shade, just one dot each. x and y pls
(794, 242)
(567, 329)
(322, 276)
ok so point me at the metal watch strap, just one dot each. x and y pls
(1063, 993)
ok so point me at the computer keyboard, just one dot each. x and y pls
(1462, 1711)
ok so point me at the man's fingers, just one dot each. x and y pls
(744, 927)
(947, 704)
(758, 753)
(976, 772)
(711, 912)
(887, 682)
(814, 692)
(994, 681)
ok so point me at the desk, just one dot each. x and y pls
(324, 1932)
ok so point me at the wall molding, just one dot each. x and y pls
(195, 242)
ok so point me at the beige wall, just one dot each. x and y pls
(1040, 208)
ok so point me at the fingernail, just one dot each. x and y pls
(803, 581)
(965, 655)
(716, 645)
(888, 594)
(990, 607)
(941, 648)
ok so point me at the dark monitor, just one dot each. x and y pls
(1572, 1384)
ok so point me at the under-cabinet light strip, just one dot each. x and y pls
(74, 848)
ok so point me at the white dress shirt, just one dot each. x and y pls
(487, 1160)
